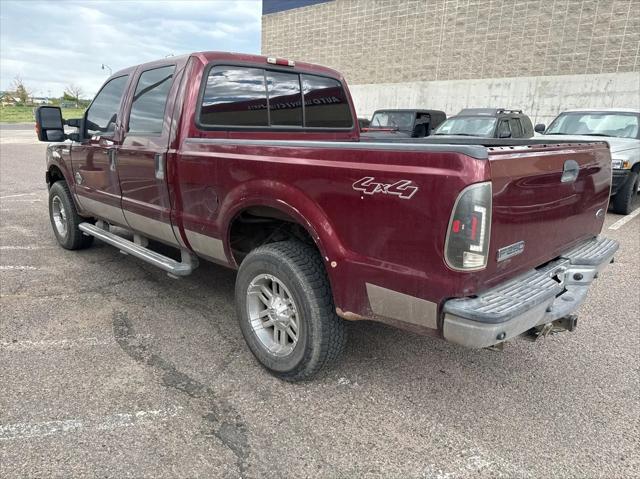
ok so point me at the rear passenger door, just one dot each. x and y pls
(143, 154)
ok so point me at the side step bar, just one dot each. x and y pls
(172, 267)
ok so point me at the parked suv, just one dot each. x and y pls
(487, 123)
(620, 127)
(403, 123)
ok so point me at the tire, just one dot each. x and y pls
(300, 294)
(65, 219)
(626, 199)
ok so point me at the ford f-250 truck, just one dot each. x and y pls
(255, 163)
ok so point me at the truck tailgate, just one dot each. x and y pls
(537, 212)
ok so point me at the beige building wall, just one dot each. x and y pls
(389, 41)
(541, 97)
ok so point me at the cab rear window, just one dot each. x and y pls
(255, 97)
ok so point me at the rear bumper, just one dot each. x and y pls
(532, 299)
(618, 177)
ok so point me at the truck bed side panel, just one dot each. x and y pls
(374, 237)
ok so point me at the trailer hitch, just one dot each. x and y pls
(566, 323)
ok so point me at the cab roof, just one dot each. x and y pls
(231, 57)
(602, 110)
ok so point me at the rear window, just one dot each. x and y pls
(325, 103)
(285, 102)
(255, 97)
(235, 96)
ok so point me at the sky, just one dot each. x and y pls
(52, 44)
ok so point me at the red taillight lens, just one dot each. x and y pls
(467, 242)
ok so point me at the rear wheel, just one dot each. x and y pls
(627, 198)
(65, 219)
(286, 311)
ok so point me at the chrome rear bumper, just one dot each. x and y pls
(537, 297)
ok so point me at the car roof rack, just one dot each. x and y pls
(487, 111)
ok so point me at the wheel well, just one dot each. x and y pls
(260, 225)
(54, 174)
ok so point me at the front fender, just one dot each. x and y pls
(58, 156)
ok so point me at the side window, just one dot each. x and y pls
(234, 96)
(285, 100)
(325, 103)
(503, 129)
(149, 101)
(516, 128)
(102, 115)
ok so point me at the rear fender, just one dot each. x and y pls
(290, 201)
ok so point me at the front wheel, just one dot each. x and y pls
(65, 219)
(286, 311)
(627, 198)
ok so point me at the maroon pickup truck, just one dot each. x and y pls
(256, 164)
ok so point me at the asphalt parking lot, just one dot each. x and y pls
(110, 368)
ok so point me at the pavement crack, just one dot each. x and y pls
(222, 420)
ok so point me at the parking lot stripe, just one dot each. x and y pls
(621, 222)
(17, 268)
(23, 430)
(27, 344)
(13, 247)
(15, 196)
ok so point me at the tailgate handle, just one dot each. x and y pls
(570, 171)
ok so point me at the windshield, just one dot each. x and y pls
(401, 120)
(622, 125)
(468, 126)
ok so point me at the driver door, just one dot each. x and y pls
(97, 185)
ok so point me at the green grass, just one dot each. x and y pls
(24, 114)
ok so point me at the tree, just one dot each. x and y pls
(74, 92)
(21, 91)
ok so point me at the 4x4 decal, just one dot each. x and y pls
(405, 189)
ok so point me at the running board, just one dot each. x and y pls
(172, 267)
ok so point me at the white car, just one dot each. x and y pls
(620, 127)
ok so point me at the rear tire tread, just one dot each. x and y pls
(625, 199)
(330, 344)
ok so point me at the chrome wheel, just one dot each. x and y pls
(273, 314)
(59, 216)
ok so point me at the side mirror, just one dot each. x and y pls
(540, 127)
(49, 123)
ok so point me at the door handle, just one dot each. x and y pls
(570, 171)
(113, 158)
(159, 161)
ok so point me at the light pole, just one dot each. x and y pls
(108, 68)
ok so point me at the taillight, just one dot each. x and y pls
(467, 243)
